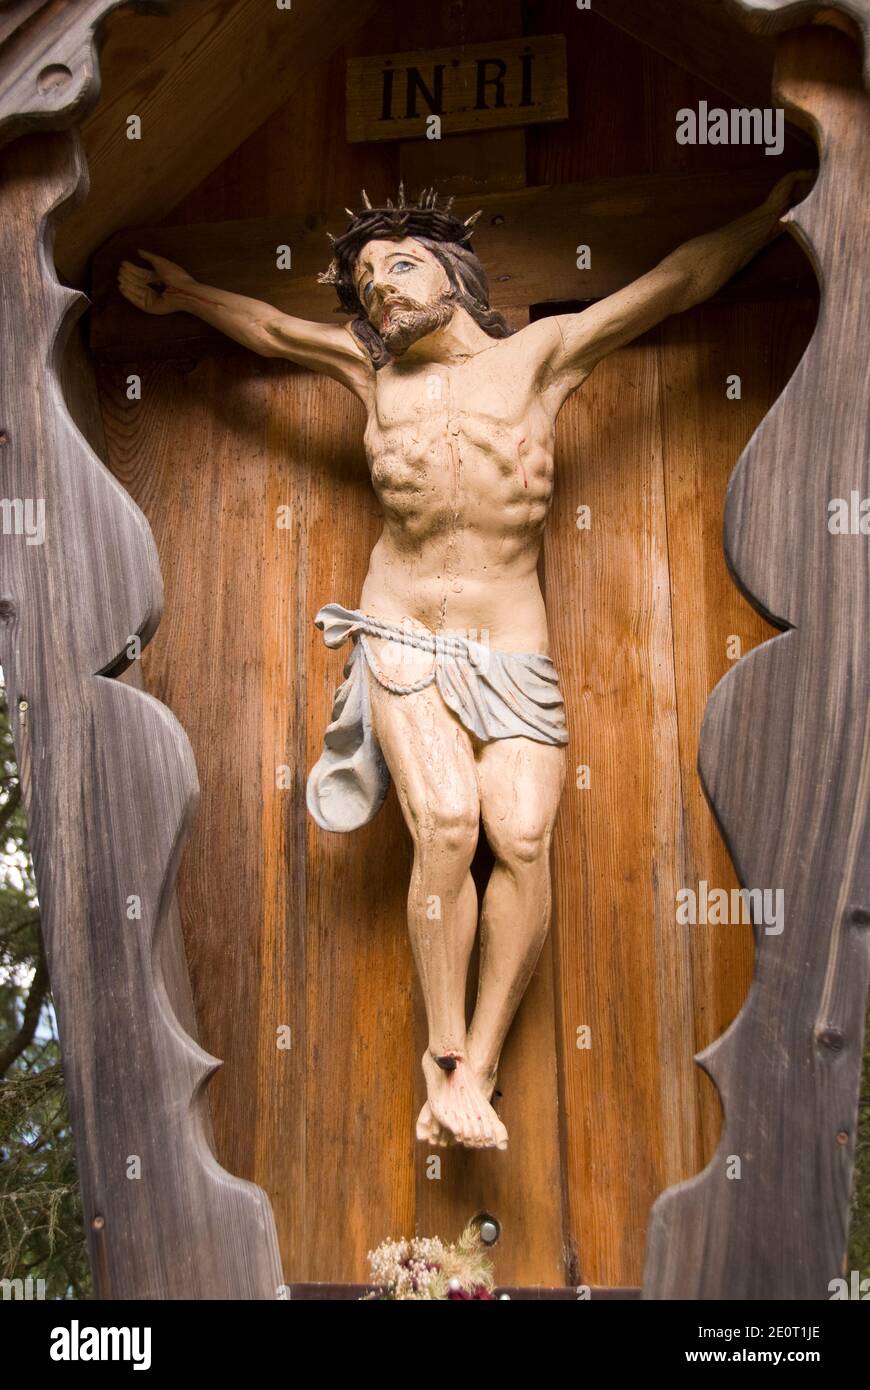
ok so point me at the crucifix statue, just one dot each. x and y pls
(449, 688)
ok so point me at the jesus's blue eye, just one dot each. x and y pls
(402, 266)
(367, 289)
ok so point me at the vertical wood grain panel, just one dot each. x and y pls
(703, 433)
(191, 453)
(646, 607)
(627, 1100)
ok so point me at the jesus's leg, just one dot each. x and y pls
(520, 784)
(431, 761)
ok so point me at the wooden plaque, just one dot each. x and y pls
(511, 82)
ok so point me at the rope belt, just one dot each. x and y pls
(423, 641)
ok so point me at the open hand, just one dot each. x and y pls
(153, 290)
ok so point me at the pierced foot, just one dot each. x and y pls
(457, 1110)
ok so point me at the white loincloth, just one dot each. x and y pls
(493, 694)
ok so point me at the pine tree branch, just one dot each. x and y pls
(19, 926)
(8, 809)
(32, 1009)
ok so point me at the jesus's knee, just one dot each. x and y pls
(447, 831)
(520, 846)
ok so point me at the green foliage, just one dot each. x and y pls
(859, 1224)
(41, 1231)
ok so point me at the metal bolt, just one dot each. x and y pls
(842, 1137)
(489, 1230)
(23, 706)
(98, 1223)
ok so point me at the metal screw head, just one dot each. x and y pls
(23, 705)
(489, 1230)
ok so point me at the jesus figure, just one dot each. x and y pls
(450, 689)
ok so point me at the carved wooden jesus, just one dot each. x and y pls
(449, 688)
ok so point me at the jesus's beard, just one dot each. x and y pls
(410, 321)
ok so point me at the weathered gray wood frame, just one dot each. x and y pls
(108, 775)
(785, 753)
(111, 788)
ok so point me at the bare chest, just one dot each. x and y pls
(467, 433)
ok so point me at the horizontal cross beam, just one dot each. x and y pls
(527, 240)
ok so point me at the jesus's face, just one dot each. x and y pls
(404, 290)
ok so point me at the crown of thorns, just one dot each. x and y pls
(392, 222)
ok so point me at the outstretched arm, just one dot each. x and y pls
(323, 347)
(572, 344)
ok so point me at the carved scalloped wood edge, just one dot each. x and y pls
(49, 73)
(785, 761)
(111, 790)
(777, 16)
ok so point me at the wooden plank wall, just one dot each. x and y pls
(286, 925)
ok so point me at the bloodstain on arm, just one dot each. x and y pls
(167, 290)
